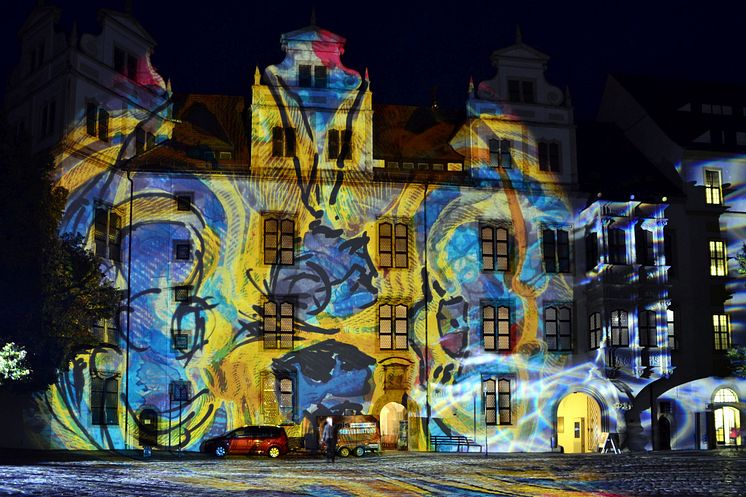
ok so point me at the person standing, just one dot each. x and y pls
(329, 439)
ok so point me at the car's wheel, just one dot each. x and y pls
(221, 451)
(344, 452)
(359, 451)
(273, 452)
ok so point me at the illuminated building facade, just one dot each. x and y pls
(311, 252)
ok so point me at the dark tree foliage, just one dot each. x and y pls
(51, 288)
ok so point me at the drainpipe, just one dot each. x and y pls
(129, 312)
(427, 352)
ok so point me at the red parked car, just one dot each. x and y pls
(269, 440)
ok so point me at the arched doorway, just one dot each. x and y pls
(148, 427)
(727, 418)
(393, 422)
(578, 423)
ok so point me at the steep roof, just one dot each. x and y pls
(608, 163)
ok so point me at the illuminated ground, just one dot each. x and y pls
(397, 474)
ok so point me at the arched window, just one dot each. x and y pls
(725, 395)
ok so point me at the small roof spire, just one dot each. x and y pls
(471, 86)
(518, 34)
(168, 85)
(257, 76)
(313, 15)
(367, 77)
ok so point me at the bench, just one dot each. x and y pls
(458, 441)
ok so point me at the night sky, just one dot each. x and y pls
(411, 47)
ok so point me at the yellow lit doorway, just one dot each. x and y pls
(578, 423)
(392, 417)
(727, 418)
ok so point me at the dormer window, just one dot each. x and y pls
(125, 63)
(521, 91)
(312, 76)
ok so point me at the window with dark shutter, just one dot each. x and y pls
(304, 76)
(320, 77)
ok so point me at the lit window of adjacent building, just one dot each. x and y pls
(393, 244)
(558, 328)
(647, 329)
(556, 246)
(721, 331)
(521, 91)
(125, 63)
(107, 226)
(713, 187)
(393, 327)
(279, 240)
(339, 144)
(549, 157)
(617, 246)
(97, 121)
(619, 328)
(500, 153)
(594, 330)
(283, 142)
(495, 249)
(671, 319)
(278, 325)
(718, 263)
(104, 400)
(496, 327)
(644, 247)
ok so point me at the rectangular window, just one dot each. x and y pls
(669, 242)
(514, 90)
(332, 146)
(103, 125)
(504, 401)
(594, 330)
(558, 328)
(648, 329)
(279, 240)
(184, 202)
(721, 331)
(106, 330)
(125, 63)
(140, 140)
(591, 250)
(182, 250)
(489, 387)
(278, 325)
(48, 118)
(91, 117)
(500, 155)
(527, 91)
(107, 227)
(393, 244)
(495, 248)
(339, 144)
(549, 157)
(713, 187)
(289, 142)
(556, 246)
(718, 263)
(619, 329)
(496, 328)
(304, 76)
(182, 293)
(617, 246)
(393, 327)
(671, 319)
(521, 91)
(283, 142)
(644, 246)
(319, 74)
(286, 401)
(132, 67)
(181, 340)
(104, 400)
(180, 391)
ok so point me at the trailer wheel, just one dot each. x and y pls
(344, 452)
(359, 451)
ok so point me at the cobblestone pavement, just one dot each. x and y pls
(680, 474)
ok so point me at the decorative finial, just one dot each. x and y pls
(257, 76)
(518, 35)
(168, 85)
(471, 86)
(367, 77)
(313, 15)
(74, 35)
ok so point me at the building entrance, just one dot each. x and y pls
(579, 423)
(392, 415)
(727, 418)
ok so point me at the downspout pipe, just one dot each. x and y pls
(129, 315)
